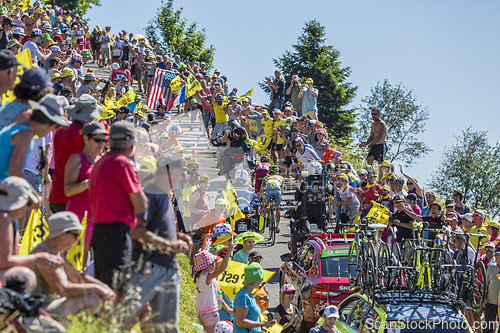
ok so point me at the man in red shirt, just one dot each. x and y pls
(116, 201)
(372, 191)
(122, 72)
(261, 170)
(69, 141)
(327, 151)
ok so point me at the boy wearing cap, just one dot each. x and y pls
(330, 314)
(31, 45)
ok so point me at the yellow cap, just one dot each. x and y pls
(493, 223)
(67, 72)
(385, 187)
(145, 107)
(140, 114)
(179, 148)
(192, 161)
(343, 176)
(55, 76)
(385, 164)
(204, 178)
(164, 135)
(148, 164)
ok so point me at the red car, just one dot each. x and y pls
(319, 273)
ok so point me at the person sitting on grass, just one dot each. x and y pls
(68, 291)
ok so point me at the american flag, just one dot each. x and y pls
(160, 88)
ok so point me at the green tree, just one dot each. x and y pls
(76, 6)
(404, 118)
(472, 165)
(178, 36)
(311, 58)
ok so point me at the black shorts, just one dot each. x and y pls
(378, 151)
(279, 147)
(112, 243)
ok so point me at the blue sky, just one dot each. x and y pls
(447, 52)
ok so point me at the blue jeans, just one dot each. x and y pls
(275, 104)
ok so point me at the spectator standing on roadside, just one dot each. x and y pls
(309, 97)
(277, 88)
(376, 143)
(8, 71)
(460, 207)
(330, 314)
(478, 228)
(160, 286)
(116, 201)
(286, 314)
(492, 290)
(68, 142)
(293, 90)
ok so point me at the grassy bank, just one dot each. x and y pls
(187, 310)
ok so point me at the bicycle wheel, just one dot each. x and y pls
(369, 279)
(384, 260)
(396, 253)
(272, 225)
(444, 275)
(352, 261)
(461, 273)
(410, 273)
(478, 286)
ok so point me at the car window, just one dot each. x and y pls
(346, 308)
(357, 314)
(332, 266)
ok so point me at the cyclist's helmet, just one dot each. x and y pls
(241, 175)
(314, 168)
(125, 63)
(234, 124)
(264, 159)
(274, 169)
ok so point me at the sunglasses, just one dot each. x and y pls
(97, 140)
(374, 114)
(256, 259)
(290, 292)
(74, 233)
(409, 184)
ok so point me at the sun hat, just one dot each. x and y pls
(67, 72)
(203, 259)
(14, 193)
(85, 108)
(89, 76)
(224, 326)
(204, 178)
(309, 80)
(36, 32)
(385, 187)
(46, 36)
(122, 130)
(248, 235)
(179, 149)
(94, 129)
(492, 223)
(398, 198)
(287, 287)
(467, 216)
(399, 182)
(18, 31)
(253, 273)
(343, 176)
(62, 222)
(13, 42)
(148, 164)
(55, 76)
(52, 107)
(192, 161)
(385, 164)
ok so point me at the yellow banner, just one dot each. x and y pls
(35, 233)
(231, 203)
(379, 213)
(176, 85)
(24, 57)
(75, 254)
(26, 5)
(128, 97)
(192, 85)
(110, 104)
(248, 93)
(231, 280)
(261, 144)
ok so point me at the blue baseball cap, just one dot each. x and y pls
(35, 79)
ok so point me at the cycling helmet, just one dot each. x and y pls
(274, 169)
(115, 66)
(264, 159)
(241, 175)
(125, 63)
(233, 124)
(314, 168)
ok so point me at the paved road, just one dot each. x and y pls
(207, 158)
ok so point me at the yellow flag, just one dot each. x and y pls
(379, 213)
(128, 97)
(110, 104)
(26, 5)
(232, 204)
(231, 280)
(248, 93)
(75, 254)
(24, 57)
(176, 85)
(192, 85)
(276, 328)
(35, 233)
(260, 146)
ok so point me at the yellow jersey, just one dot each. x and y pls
(267, 125)
(277, 124)
(220, 115)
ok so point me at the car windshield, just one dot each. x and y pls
(332, 266)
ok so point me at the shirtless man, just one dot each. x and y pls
(378, 138)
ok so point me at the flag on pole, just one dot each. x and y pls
(193, 85)
(160, 88)
(179, 98)
(36, 231)
(176, 84)
(75, 254)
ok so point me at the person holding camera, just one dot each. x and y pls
(309, 97)
(293, 90)
(277, 88)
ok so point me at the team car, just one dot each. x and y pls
(319, 273)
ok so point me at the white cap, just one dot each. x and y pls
(331, 311)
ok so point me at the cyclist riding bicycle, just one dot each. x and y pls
(273, 185)
(261, 170)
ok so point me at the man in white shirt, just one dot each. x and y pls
(305, 154)
(35, 53)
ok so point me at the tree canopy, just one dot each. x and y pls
(178, 36)
(76, 6)
(312, 58)
(405, 120)
(472, 165)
